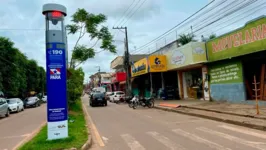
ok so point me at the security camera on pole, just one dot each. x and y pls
(56, 72)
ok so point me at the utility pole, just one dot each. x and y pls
(126, 62)
(99, 76)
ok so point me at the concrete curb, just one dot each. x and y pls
(244, 124)
(88, 143)
(30, 137)
(228, 113)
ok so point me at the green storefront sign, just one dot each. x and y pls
(229, 72)
(245, 40)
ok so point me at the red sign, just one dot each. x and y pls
(119, 77)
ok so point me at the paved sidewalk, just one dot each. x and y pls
(239, 114)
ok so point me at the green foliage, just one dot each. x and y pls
(81, 53)
(78, 134)
(75, 85)
(212, 36)
(18, 75)
(85, 22)
(186, 38)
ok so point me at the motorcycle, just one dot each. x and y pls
(147, 102)
(134, 100)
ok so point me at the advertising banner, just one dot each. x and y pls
(56, 73)
(157, 63)
(140, 67)
(227, 72)
(245, 40)
(191, 53)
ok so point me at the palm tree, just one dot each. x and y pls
(186, 38)
(212, 36)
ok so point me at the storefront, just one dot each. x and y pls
(235, 60)
(147, 75)
(187, 63)
(141, 83)
(118, 81)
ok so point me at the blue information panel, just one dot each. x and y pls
(56, 76)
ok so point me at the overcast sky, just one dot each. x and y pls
(152, 19)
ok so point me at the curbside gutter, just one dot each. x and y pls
(222, 112)
(244, 124)
(88, 143)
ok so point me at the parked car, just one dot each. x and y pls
(117, 96)
(44, 99)
(15, 105)
(32, 102)
(98, 98)
(4, 111)
(107, 95)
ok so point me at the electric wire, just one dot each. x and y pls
(141, 47)
(228, 13)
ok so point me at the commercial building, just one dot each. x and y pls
(118, 81)
(235, 59)
(186, 73)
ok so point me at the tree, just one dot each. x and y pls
(85, 22)
(186, 38)
(17, 73)
(75, 85)
(212, 36)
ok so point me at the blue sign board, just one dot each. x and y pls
(56, 76)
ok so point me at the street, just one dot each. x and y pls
(118, 127)
(18, 126)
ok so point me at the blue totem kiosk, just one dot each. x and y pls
(56, 71)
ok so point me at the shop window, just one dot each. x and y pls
(193, 84)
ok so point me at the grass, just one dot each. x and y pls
(78, 134)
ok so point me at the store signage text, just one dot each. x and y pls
(226, 73)
(139, 68)
(240, 38)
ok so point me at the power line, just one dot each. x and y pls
(119, 24)
(239, 19)
(125, 12)
(135, 11)
(203, 14)
(227, 14)
(26, 29)
(203, 20)
(141, 47)
(247, 4)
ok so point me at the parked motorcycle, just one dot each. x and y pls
(135, 99)
(147, 102)
(144, 102)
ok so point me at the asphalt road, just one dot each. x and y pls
(18, 126)
(118, 127)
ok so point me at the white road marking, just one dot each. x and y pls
(105, 139)
(199, 139)
(257, 145)
(148, 116)
(16, 136)
(132, 143)
(165, 141)
(244, 131)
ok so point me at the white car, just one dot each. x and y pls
(117, 96)
(44, 98)
(15, 105)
